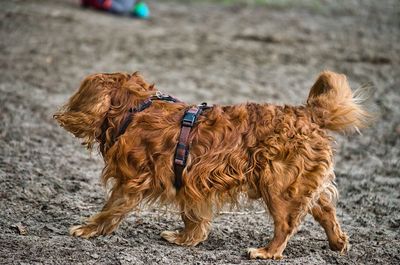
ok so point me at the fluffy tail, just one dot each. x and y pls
(334, 106)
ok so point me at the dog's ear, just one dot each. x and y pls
(100, 97)
(85, 111)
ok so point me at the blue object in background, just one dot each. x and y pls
(141, 10)
(121, 6)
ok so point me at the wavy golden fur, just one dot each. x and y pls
(281, 154)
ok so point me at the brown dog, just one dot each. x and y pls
(281, 154)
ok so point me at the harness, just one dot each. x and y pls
(182, 148)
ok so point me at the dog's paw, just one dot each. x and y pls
(341, 244)
(262, 253)
(84, 231)
(180, 239)
(170, 236)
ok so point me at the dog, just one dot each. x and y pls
(280, 154)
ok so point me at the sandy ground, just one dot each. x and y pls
(197, 52)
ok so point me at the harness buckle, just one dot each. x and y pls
(189, 119)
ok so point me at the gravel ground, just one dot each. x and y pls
(197, 51)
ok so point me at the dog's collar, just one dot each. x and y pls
(128, 119)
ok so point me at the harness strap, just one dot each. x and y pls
(128, 119)
(142, 106)
(182, 148)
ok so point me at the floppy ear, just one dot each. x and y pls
(85, 111)
(100, 97)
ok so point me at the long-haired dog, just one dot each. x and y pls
(281, 154)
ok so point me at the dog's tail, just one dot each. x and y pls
(334, 106)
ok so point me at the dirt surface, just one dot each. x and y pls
(197, 52)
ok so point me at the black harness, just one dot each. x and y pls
(182, 149)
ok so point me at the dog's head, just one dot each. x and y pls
(101, 97)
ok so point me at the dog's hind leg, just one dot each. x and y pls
(287, 216)
(118, 205)
(196, 230)
(324, 212)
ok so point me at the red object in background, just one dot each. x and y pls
(114, 6)
(99, 4)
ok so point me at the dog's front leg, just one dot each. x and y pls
(119, 204)
(196, 230)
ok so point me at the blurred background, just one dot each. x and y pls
(221, 52)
